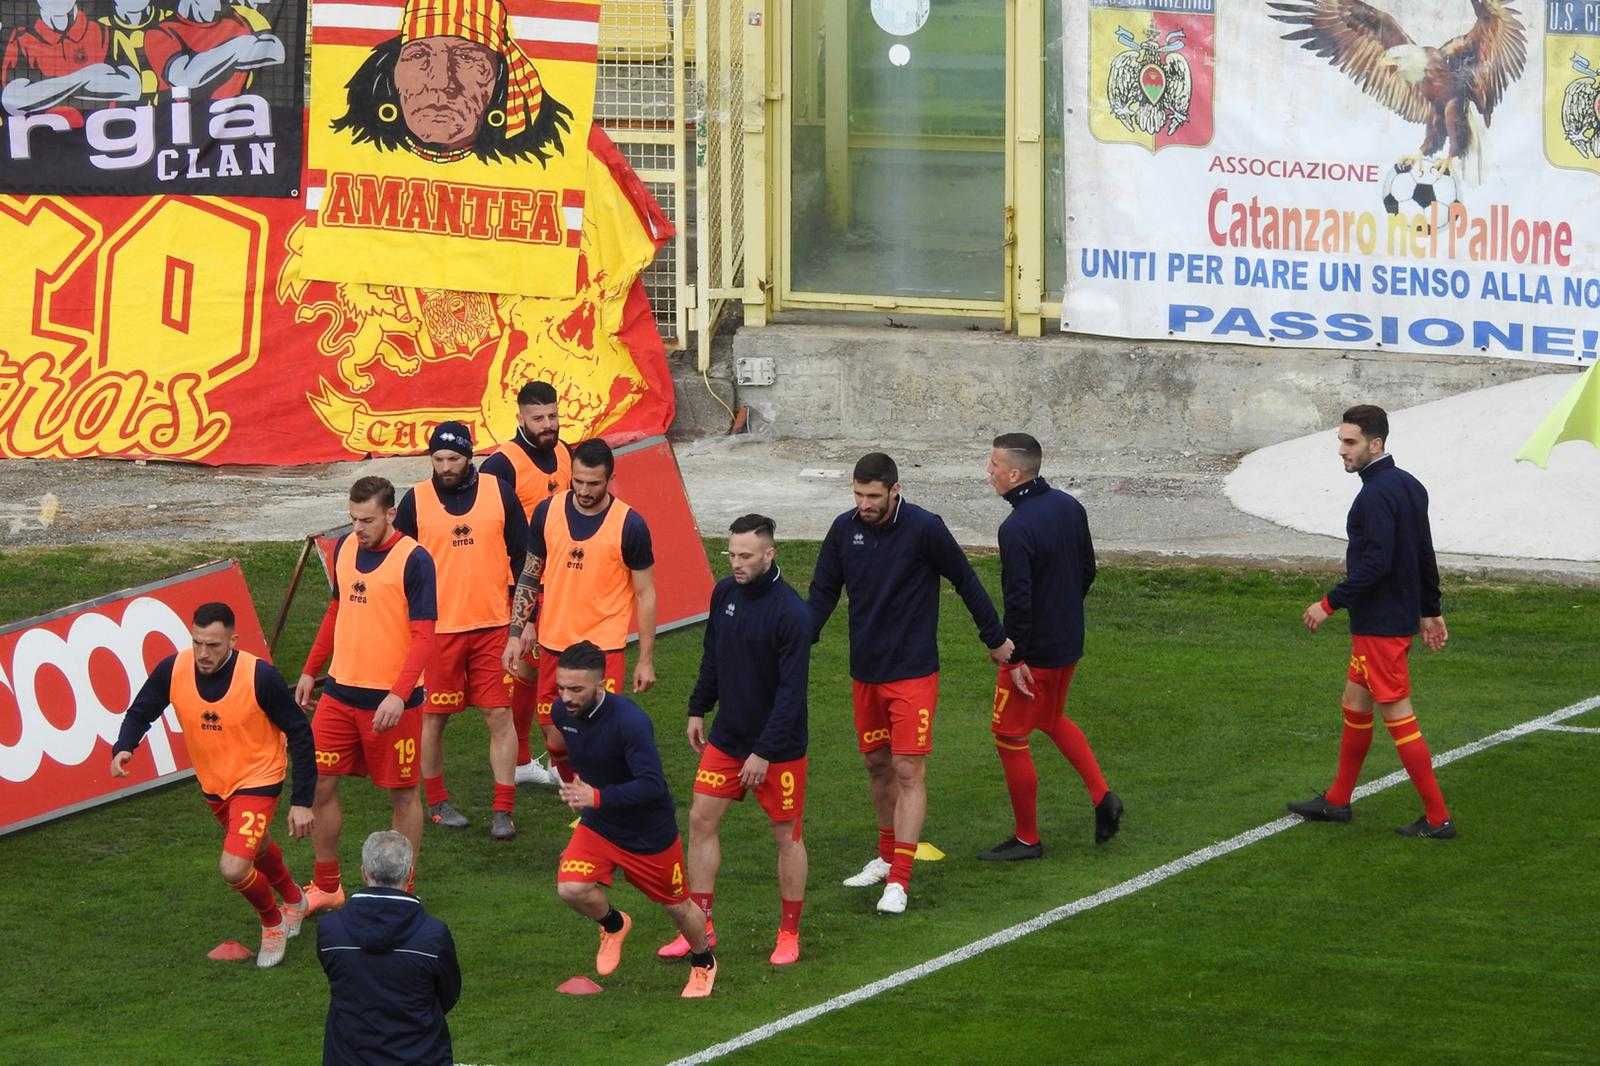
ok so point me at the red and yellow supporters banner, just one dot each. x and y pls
(184, 328)
(66, 678)
(447, 144)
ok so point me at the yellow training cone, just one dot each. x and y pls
(574, 823)
(926, 852)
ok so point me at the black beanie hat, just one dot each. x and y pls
(451, 436)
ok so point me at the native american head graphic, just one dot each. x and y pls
(453, 84)
(1451, 89)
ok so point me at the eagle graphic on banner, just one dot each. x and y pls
(1580, 109)
(1452, 89)
(1150, 85)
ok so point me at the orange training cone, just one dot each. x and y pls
(578, 986)
(230, 951)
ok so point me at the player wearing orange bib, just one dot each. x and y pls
(240, 725)
(537, 465)
(472, 527)
(590, 569)
(379, 631)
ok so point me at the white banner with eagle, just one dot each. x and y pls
(1418, 175)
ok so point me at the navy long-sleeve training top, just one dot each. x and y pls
(1046, 569)
(1391, 574)
(892, 572)
(272, 696)
(614, 750)
(754, 666)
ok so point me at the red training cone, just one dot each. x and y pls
(578, 986)
(230, 951)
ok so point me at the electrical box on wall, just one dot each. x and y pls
(755, 371)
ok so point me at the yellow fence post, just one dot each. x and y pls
(757, 32)
(1027, 192)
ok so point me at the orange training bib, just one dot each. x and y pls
(232, 742)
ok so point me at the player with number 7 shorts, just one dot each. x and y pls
(240, 725)
(368, 723)
(755, 664)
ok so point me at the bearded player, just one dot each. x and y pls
(472, 526)
(754, 665)
(625, 816)
(590, 570)
(379, 631)
(537, 465)
(1391, 589)
(239, 721)
(888, 554)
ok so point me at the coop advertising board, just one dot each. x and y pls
(1305, 173)
(66, 678)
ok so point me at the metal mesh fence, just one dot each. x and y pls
(639, 102)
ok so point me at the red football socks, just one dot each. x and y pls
(558, 763)
(325, 875)
(1418, 761)
(522, 721)
(505, 797)
(790, 921)
(905, 852)
(1353, 745)
(270, 862)
(433, 788)
(258, 893)
(1022, 781)
(886, 843)
(411, 880)
(1075, 746)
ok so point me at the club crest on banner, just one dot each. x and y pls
(1150, 71)
(1572, 84)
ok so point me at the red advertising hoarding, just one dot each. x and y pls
(67, 677)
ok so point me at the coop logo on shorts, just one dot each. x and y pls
(710, 777)
(41, 651)
(577, 866)
(874, 736)
(447, 699)
(327, 758)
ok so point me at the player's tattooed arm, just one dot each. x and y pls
(525, 601)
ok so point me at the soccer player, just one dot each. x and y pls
(754, 664)
(1046, 569)
(1391, 589)
(625, 816)
(889, 554)
(472, 527)
(537, 465)
(238, 721)
(590, 560)
(379, 631)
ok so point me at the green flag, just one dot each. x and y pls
(1576, 417)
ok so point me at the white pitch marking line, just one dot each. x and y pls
(1115, 892)
(1592, 730)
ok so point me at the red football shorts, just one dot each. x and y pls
(896, 713)
(347, 744)
(1380, 665)
(616, 667)
(782, 794)
(1016, 715)
(591, 857)
(466, 671)
(244, 821)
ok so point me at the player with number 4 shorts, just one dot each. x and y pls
(625, 816)
(368, 723)
(241, 726)
(754, 666)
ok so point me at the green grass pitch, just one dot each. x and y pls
(1209, 707)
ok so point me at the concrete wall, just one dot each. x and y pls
(880, 383)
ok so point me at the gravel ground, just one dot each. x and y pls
(1149, 506)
